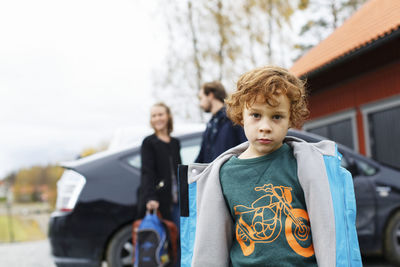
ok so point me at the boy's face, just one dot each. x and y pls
(266, 126)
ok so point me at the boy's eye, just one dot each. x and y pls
(255, 115)
(277, 117)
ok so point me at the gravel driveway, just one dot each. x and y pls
(37, 254)
(26, 254)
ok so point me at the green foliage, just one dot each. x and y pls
(10, 179)
(37, 184)
(303, 4)
(311, 24)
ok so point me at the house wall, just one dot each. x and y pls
(370, 87)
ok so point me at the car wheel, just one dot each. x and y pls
(120, 251)
(392, 239)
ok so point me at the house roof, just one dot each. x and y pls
(373, 21)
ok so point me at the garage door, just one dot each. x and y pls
(339, 131)
(384, 132)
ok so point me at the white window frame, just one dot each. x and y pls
(372, 108)
(336, 117)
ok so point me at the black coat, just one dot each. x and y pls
(219, 136)
(156, 173)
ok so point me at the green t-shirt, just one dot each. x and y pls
(268, 209)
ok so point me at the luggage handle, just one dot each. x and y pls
(154, 211)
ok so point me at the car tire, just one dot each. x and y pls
(120, 251)
(392, 240)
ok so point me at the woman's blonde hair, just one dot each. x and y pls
(170, 123)
(268, 83)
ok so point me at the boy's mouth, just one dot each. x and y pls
(264, 140)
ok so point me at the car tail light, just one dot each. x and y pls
(69, 187)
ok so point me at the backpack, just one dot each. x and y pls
(155, 241)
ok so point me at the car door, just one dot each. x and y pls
(364, 174)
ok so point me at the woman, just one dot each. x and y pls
(160, 158)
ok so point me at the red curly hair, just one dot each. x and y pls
(269, 82)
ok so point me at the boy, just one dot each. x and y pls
(274, 200)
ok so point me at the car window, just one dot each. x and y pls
(358, 166)
(365, 168)
(350, 167)
(189, 150)
(134, 161)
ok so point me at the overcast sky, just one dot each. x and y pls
(71, 73)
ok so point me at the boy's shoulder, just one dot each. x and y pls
(324, 147)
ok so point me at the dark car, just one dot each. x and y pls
(96, 205)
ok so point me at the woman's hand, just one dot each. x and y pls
(152, 205)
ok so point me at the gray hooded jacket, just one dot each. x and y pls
(207, 227)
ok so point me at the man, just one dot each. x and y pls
(220, 134)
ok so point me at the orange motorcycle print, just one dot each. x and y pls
(262, 222)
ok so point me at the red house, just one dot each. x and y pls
(353, 78)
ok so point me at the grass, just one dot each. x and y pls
(22, 229)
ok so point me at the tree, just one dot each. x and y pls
(195, 45)
(325, 17)
(92, 150)
(37, 183)
(216, 40)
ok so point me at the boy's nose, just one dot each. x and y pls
(265, 126)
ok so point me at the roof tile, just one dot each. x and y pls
(372, 21)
